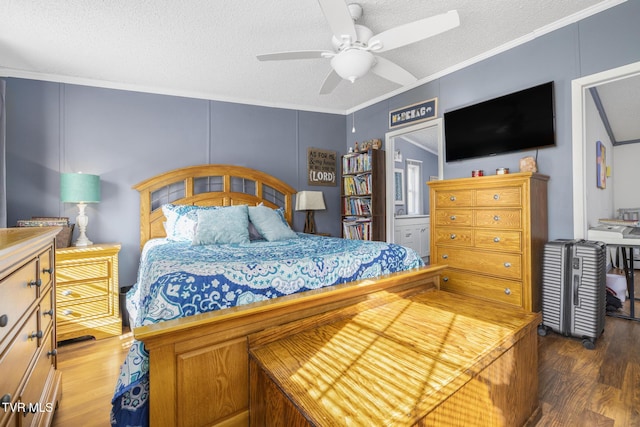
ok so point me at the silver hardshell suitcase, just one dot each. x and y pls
(574, 289)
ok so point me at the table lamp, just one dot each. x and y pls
(80, 188)
(310, 201)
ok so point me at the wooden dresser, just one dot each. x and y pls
(491, 232)
(29, 382)
(88, 293)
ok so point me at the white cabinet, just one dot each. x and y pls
(413, 232)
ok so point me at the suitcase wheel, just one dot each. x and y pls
(588, 343)
(543, 330)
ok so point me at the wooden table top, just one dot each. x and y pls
(392, 364)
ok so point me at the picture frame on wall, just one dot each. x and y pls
(601, 165)
(398, 182)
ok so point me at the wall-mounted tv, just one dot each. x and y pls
(518, 121)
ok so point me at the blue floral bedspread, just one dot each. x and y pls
(177, 279)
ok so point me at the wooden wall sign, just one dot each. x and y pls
(321, 166)
(414, 113)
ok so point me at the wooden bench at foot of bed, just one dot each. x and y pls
(428, 359)
(363, 349)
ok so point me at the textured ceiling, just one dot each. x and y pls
(207, 49)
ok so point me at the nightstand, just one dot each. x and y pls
(87, 294)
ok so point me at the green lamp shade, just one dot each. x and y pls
(79, 188)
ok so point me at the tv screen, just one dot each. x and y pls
(519, 121)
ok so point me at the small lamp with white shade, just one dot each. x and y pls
(310, 201)
(80, 188)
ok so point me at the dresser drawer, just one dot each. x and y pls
(84, 270)
(42, 373)
(498, 239)
(454, 198)
(503, 265)
(47, 310)
(83, 311)
(78, 292)
(508, 291)
(19, 293)
(499, 218)
(46, 267)
(454, 217)
(454, 236)
(17, 357)
(506, 196)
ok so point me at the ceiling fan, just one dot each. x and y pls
(353, 44)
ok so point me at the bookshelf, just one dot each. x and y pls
(363, 195)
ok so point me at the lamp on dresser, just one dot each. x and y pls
(310, 201)
(80, 188)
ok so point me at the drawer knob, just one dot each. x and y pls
(507, 264)
(453, 236)
(445, 256)
(38, 334)
(496, 239)
(53, 352)
(452, 198)
(36, 282)
(6, 399)
(496, 218)
(496, 196)
(66, 292)
(452, 217)
(67, 312)
(445, 279)
(4, 320)
(507, 291)
(48, 270)
(48, 313)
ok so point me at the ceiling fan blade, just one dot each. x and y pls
(337, 15)
(296, 54)
(392, 72)
(412, 32)
(330, 83)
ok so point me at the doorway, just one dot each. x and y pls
(582, 166)
(427, 136)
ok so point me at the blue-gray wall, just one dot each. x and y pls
(429, 168)
(607, 40)
(126, 137)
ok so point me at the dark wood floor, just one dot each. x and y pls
(578, 387)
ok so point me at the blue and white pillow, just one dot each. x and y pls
(271, 223)
(227, 225)
(181, 220)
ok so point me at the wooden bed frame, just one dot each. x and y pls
(208, 185)
(199, 365)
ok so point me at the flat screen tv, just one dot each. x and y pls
(519, 121)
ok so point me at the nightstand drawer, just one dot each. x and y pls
(76, 293)
(84, 311)
(82, 270)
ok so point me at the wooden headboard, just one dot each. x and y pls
(208, 185)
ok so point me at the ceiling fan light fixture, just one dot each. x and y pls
(351, 64)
